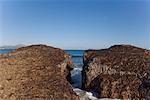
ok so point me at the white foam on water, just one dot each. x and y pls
(76, 71)
(84, 95)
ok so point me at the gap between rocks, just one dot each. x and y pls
(76, 79)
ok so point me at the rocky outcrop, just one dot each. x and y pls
(36, 72)
(121, 71)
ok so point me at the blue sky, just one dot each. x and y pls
(75, 24)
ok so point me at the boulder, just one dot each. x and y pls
(36, 72)
(120, 71)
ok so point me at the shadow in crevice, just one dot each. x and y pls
(144, 88)
(94, 86)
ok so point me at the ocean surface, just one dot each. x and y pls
(5, 50)
(76, 75)
(77, 56)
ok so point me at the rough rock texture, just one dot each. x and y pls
(121, 71)
(36, 72)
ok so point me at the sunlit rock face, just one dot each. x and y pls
(121, 71)
(36, 72)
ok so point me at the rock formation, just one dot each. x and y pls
(121, 71)
(36, 72)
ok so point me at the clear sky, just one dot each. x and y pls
(75, 24)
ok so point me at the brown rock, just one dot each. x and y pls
(35, 72)
(124, 65)
(115, 86)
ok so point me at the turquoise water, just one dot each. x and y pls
(75, 52)
(77, 56)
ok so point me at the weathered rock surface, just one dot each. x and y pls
(35, 72)
(121, 71)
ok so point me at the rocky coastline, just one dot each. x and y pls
(40, 72)
(36, 72)
(119, 72)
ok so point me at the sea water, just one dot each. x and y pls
(76, 75)
(5, 50)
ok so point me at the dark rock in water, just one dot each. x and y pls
(35, 72)
(121, 71)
